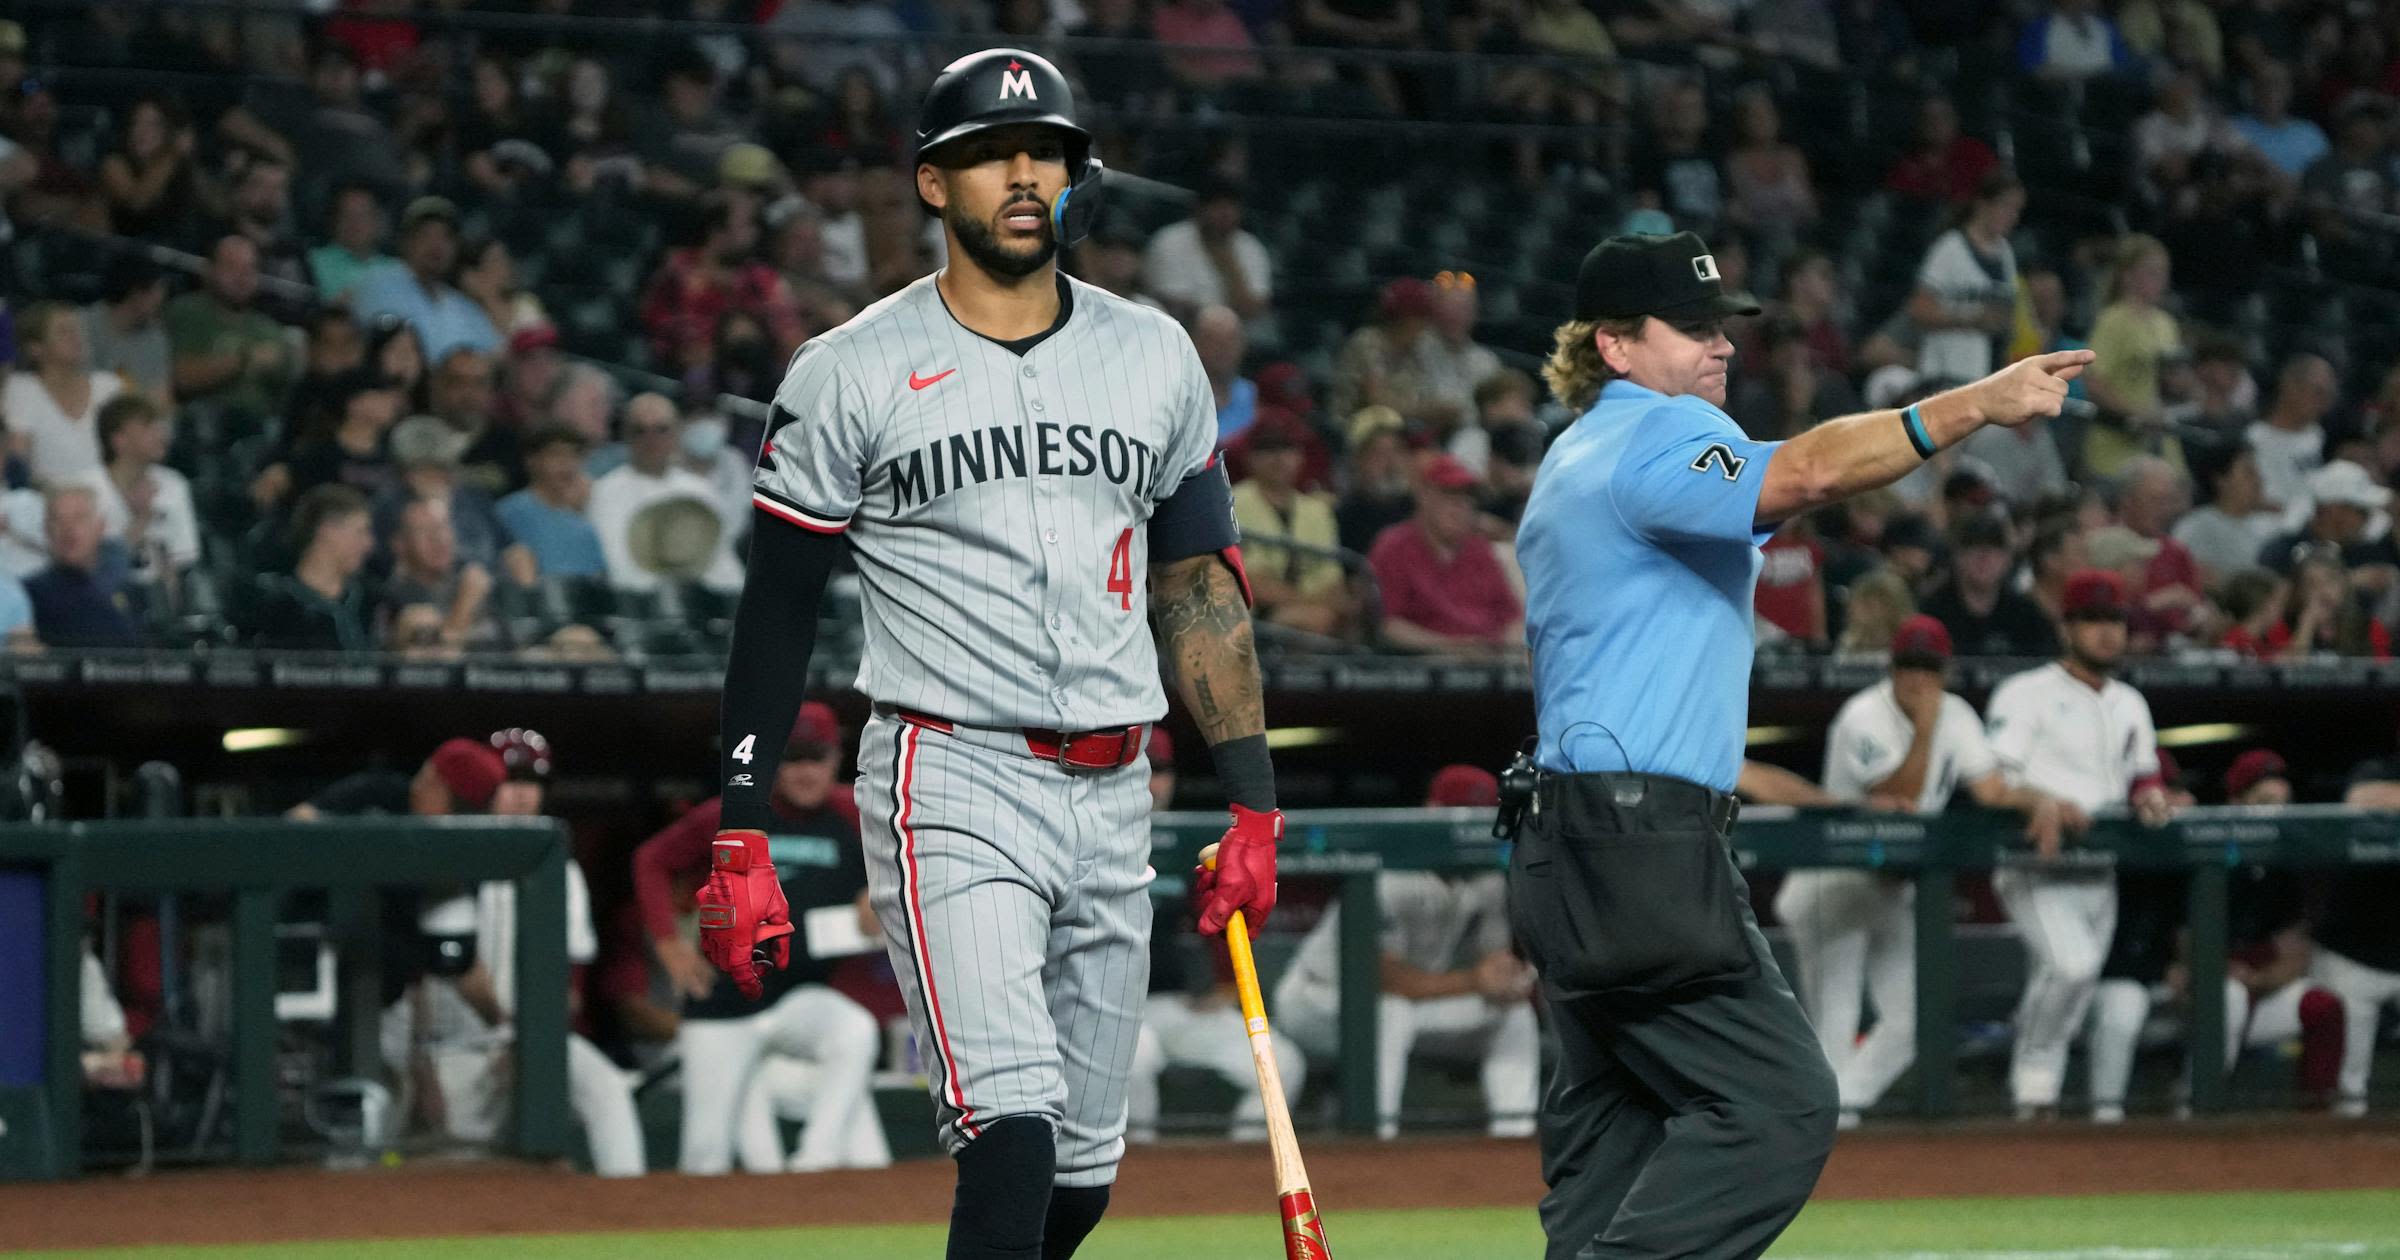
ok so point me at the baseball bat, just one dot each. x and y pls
(1303, 1230)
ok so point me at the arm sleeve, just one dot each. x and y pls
(2012, 727)
(1195, 516)
(812, 463)
(1689, 474)
(679, 848)
(766, 671)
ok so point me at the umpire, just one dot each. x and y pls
(1690, 1109)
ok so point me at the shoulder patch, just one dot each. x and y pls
(1720, 457)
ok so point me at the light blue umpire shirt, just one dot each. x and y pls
(1640, 556)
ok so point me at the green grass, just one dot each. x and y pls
(2329, 1225)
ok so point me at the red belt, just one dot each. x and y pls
(1074, 750)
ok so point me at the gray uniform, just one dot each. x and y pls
(996, 504)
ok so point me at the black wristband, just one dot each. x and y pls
(1246, 772)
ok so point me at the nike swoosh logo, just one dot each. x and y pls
(919, 382)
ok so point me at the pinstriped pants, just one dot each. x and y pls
(1015, 903)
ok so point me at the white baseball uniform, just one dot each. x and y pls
(1433, 923)
(1854, 929)
(2088, 746)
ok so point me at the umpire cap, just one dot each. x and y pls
(1672, 277)
(1003, 87)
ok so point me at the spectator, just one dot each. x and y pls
(1210, 260)
(799, 255)
(594, 137)
(696, 286)
(427, 572)
(2320, 615)
(462, 393)
(2290, 145)
(1769, 186)
(2057, 552)
(427, 453)
(816, 40)
(1448, 981)
(122, 330)
(321, 605)
(52, 410)
(488, 276)
(2134, 338)
(2044, 328)
(395, 350)
(2227, 399)
(680, 143)
(1390, 363)
(1812, 299)
(649, 477)
(1220, 341)
(81, 600)
(349, 449)
(2347, 191)
(2253, 600)
(1516, 456)
(150, 179)
(1803, 31)
(861, 125)
(1790, 393)
(1873, 607)
(1454, 362)
(702, 449)
(499, 145)
(2181, 33)
(831, 188)
(2169, 595)
(2342, 499)
(1943, 165)
(419, 292)
(1503, 401)
(1305, 590)
(329, 132)
(585, 401)
(1966, 295)
(1875, 39)
(1207, 48)
(1677, 170)
(532, 370)
(548, 514)
(144, 505)
(1790, 595)
(1377, 496)
(1386, 24)
(1587, 88)
(2072, 42)
(1984, 617)
(1444, 589)
(226, 351)
(260, 209)
(2224, 535)
(2290, 439)
(2170, 139)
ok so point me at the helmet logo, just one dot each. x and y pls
(1017, 81)
(1705, 267)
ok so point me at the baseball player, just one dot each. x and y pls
(732, 1040)
(2269, 999)
(1690, 1110)
(1908, 742)
(2071, 730)
(2358, 943)
(1020, 465)
(1194, 1023)
(1451, 986)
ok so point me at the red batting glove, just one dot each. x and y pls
(745, 926)
(1244, 878)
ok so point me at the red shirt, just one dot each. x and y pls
(1791, 591)
(685, 301)
(1950, 175)
(1466, 595)
(669, 866)
(2172, 566)
(2279, 638)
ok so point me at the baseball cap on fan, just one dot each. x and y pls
(815, 732)
(1672, 277)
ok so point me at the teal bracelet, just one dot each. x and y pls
(1914, 424)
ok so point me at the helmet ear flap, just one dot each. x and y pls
(1078, 204)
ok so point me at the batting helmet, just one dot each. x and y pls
(1002, 87)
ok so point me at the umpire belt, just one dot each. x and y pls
(1635, 802)
(1109, 748)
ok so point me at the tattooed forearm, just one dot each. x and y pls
(1205, 642)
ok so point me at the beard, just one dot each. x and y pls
(2103, 666)
(983, 246)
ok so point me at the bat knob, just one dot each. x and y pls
(1208, 857)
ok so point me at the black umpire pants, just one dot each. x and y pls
(1690, 1109)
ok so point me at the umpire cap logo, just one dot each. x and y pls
(1017, 81)
(1705, 267)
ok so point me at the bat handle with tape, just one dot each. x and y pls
(1303, 1229)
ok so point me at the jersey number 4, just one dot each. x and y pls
(1120, 571)
(1721, 457)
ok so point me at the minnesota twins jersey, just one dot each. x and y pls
(995, 501)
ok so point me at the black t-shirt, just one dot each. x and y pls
(290, 614)
(1359, 518)
(2016, 626)
(315, 463)
(819, 864)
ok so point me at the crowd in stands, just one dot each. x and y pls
(462, 341)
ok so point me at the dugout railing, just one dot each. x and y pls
(47, 871)
(2205, 844)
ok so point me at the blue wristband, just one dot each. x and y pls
(1914, 424)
